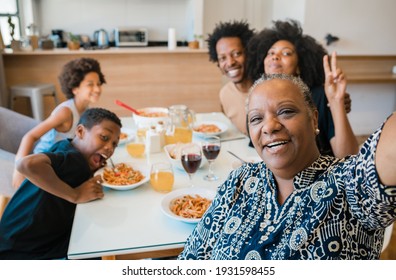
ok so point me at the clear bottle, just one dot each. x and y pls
(153, 144)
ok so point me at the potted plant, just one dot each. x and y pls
(15, 44)
(74, 42)
(196, 42)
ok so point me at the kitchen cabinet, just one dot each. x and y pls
(140, 77)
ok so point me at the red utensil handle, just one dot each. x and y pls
(118, 102)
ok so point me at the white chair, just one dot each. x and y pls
(387, 237)
(36, 93)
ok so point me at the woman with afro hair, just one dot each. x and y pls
(285, 49)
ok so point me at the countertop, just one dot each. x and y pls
(111, 50)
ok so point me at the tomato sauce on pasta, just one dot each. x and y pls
(188, 206)
(122, 175)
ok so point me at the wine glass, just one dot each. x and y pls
(211, 149)
(191, 157)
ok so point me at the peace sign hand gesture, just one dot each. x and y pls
(335, 81)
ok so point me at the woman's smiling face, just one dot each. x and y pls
(282, 127)
(281, 58)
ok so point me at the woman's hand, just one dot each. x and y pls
(335, 81)
(344, 141)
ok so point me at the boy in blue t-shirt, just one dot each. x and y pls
(38, 219)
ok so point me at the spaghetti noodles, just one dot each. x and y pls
(122, 175)
(207, 128)
(189, 206)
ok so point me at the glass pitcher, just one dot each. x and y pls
(180, 128)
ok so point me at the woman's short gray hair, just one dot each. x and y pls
(305, 91)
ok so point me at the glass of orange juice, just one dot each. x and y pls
(161, 177)
(136, 148)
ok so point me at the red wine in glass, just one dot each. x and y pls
(211, 151)
(191, 157)
(191, 162)
(211, 148)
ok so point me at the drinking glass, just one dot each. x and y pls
(161, 177)
(211, 149)
(191, 157)
(137, 147)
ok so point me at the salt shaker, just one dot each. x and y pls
(161, 132)
(153, 143)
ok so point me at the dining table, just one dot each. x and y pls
(130, 224)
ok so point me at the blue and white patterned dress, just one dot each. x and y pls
(338, 210)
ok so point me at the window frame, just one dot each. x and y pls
(17, 14)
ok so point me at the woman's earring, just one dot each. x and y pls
(317, 131)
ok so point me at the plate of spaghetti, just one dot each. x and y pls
(125, 176)
(126, 136)
(209, 128)
(187, 205)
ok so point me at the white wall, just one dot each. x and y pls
(86, 16)
(257, 12)
(371, 105)
(364, 27)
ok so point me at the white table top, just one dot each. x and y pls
(131, 221)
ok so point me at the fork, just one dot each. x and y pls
(112, 165)
(242, 160)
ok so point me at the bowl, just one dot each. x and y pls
(150, 116)
(172, 152)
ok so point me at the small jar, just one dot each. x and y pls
(161, 132)
(153, 144)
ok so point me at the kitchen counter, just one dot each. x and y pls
(111, 50)
(138, 76)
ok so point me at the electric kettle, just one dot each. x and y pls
(101, 38)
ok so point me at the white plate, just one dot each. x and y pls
(145, 171)
(130, 136)
(166, 201)
(223, 128)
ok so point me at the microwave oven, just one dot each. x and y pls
(131, 37)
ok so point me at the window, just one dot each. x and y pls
(9, 10)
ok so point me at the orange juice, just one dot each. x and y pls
(135, 149)
(141, 132)
(182, 135)
(162, 181)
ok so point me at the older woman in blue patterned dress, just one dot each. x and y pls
(298, 204)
